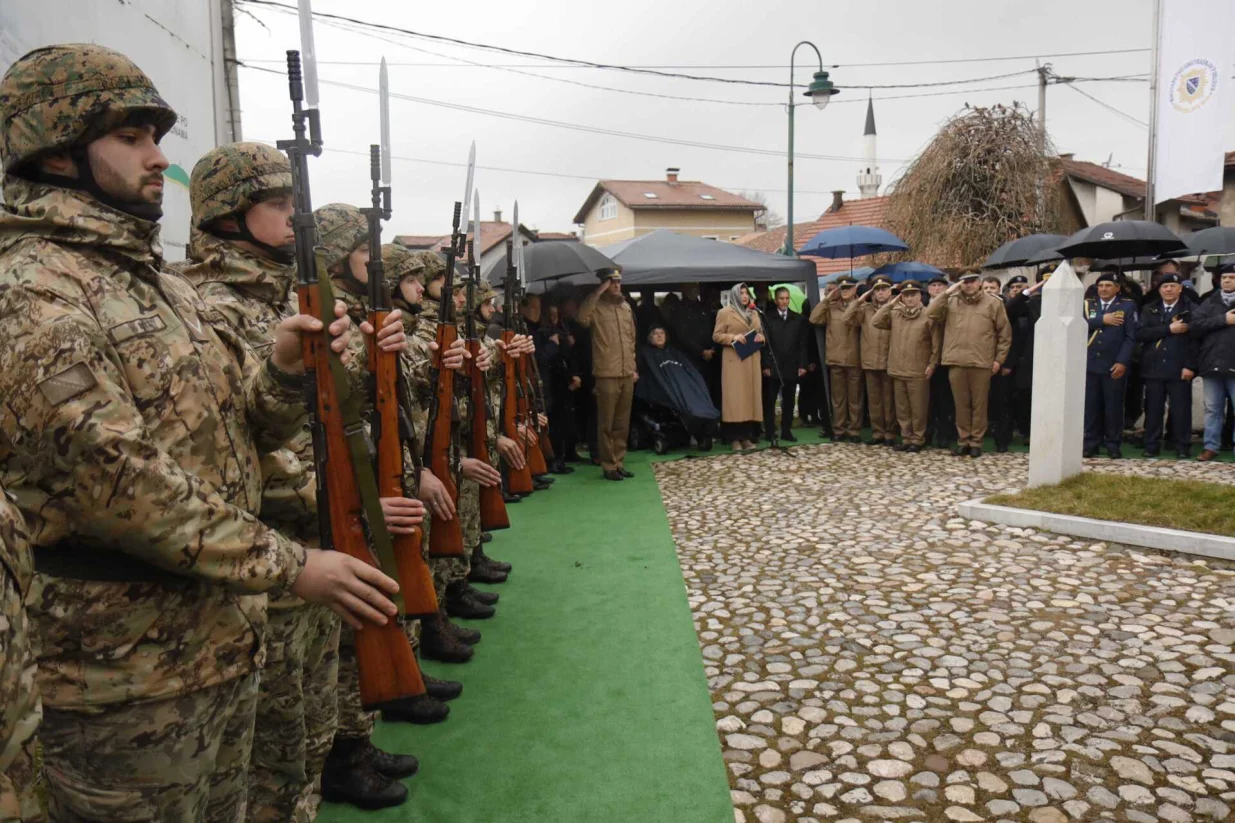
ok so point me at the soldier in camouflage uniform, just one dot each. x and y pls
(133, 423)
(240, 258)
(19, 697)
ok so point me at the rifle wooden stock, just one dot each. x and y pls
(538, 392)
(387, 666)
(493, 513)
(445, 536)
(415, 578)
(535, 457)
(519, 481)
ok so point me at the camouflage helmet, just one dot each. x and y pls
(484, 293)
(63, 96)
(433, 265)
(341, 229)
(228, 178)
(400, 263)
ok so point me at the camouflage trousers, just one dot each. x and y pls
(447, 570)
(20, 709)
(354, 720)
(178, 758)
(297, 711)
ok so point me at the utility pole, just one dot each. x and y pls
(1044, 74)
(1151, 210)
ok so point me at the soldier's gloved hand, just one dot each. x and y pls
(510, 452)
(349, 587)
(402, 514)
(434, 493)
(287, 355)
(478, 471)
(391, 338)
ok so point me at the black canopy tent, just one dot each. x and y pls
(665, 258)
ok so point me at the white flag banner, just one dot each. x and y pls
(1196, 41)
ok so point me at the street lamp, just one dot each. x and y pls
(820, 92)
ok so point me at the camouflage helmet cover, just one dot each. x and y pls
(62, 96)
(400, 263)
(433, 265)
(341, 229)
(227, 179)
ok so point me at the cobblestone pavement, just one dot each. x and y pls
(872, 657)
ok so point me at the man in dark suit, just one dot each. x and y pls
(786, 331)
(1112, 337)
(1168, 363)
(690, 331)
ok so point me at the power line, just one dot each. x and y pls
(580, 127)
(1110, 108)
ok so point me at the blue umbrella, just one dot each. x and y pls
(900, 272)
(851, 241)
(857, 274)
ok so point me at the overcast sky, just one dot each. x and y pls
(551, 169)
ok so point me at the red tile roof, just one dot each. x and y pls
(491, 234)
(869, 212)
(1102, 176)
(556, 235)
(684, 194)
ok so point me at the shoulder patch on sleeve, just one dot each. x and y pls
(76, 379)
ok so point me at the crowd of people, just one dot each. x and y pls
(173, 643)
(935, 364)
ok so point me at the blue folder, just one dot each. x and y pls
(747, 346)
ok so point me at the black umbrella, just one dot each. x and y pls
(663, 257)
(550, 261)
(1121, 238)
(1043, 257)
(1215, 240)
(1146, 263)
(1019, 251)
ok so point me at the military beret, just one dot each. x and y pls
(1020, 278)
(1108, 277)
(1170, 277)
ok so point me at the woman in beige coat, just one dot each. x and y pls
(741, 385)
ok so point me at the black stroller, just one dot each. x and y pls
(672, 403)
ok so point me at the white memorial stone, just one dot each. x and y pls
(1057, 421)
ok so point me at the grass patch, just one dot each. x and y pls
(1190, 505)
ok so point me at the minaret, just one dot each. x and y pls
(869, 178)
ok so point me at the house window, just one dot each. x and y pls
(608, 207)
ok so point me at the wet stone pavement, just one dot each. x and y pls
(873, 657)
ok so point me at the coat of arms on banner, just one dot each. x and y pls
(1193, 85)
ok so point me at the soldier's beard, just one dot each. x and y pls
(111, 188)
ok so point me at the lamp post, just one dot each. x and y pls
(820, 92)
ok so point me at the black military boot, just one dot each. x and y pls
(540, 483)
(479, 552)
(485, 573)
(438, 643)
(422, 710)
(442, 689)
(486, 537)
(461, 633)
(488, 598)
(349, 776)
(460, 604)
(394, 766)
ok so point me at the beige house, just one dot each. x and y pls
(618, 210)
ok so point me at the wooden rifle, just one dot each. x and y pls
(445, 536)
(390, 424)
(493, 513)
(518, 481)
(347, 495)
(537, 442)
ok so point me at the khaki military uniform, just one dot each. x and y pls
(297, 706)
(844, 363)
(976, 335)
(913, 347)
(20, 710)
(880, 396)
(132, 429)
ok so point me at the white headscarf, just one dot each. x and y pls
(735, 301)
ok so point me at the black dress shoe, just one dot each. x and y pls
(613, 475)
(1092, 451)
(788, 436)
(1001, 448)
(622, 471)
(462, 605)
(421, 710)
(1152, 452)
(488, 598)
(1115, 453)
(890, 442)
(478, 553)
(960, 451)
(539, 485)
(573, 457)
(442, 689)
(394, 766)
(560, 467)
(437, 642)
(484, 573)
(461, 633)
(349, 776)
(975, 451)
(913, 449)
(899, 447)
(509, 499)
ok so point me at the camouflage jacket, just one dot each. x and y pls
(15, 558)
(132, 425)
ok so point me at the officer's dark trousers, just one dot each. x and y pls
(787, 391)
(1157, 394)
(999, 409)
(1104, 410)
(941, 422)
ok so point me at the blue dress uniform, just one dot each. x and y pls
(1164, 356)
(1104, 395)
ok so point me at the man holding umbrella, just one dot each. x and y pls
(1112, 335)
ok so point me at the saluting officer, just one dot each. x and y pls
(1168, 363)
(1112, 335)
(844, 360)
